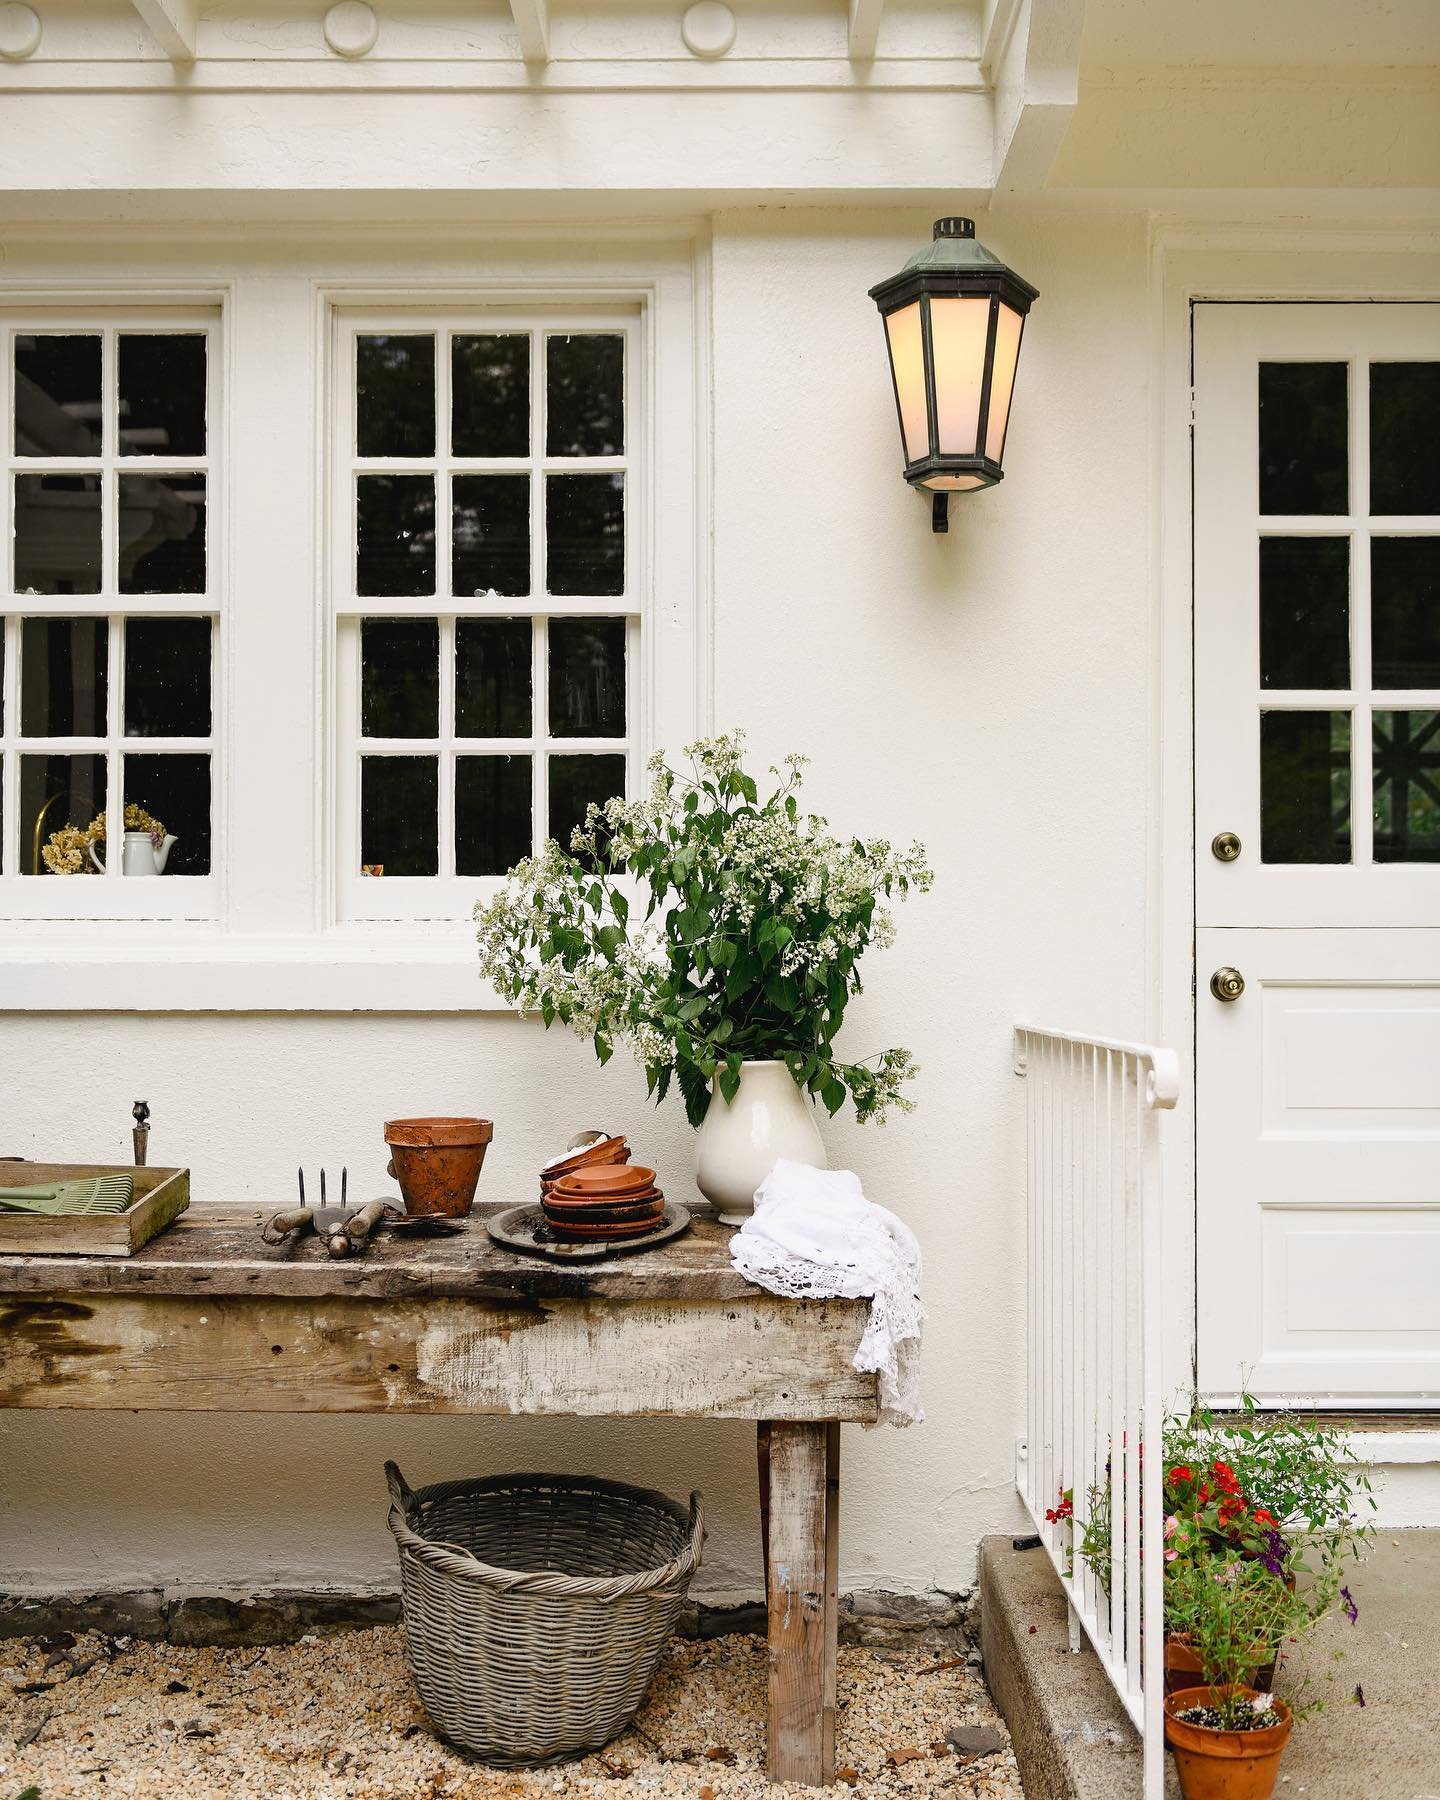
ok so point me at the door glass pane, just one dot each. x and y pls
(395, 534)
(585, 534)
(399, 815)
(1303, 438)
(162, 534)
(57, 534)
(1404, 415)
(1405, 611)
(1304, 612)
(587, 678)
(1305, 787)
(57, 395)
(162, 393)
(491, 521)
(490, 395)
(395, 396)
(493, 677)
(175, 791)
(585, 395)
(574, 782)
(64, 677)
(492, 813)
(57, 792)
(167, 677)
(400, 678)
(1407, 786)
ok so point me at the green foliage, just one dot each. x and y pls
(1232, 1612)
(705, 928)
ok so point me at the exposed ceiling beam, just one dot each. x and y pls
(173, 23)
(864, 28)
(1036, 76)
(996, 26)
(532, 21)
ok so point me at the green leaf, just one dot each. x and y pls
(609, 939)
(695, 1090)
(604, 1049)
(547, 1013)
(620, 906)
(833, 1095)
(729, 1083)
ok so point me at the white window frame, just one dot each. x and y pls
(280, 941)
(444, 896)
(109, 896)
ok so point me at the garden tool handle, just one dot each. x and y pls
(278, 1226)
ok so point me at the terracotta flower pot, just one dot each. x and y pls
(1224, 1765)
(437, 1162)
(1183, 1667)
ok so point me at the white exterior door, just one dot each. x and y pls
(1317, 747)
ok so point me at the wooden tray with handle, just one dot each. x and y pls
(160, 1196)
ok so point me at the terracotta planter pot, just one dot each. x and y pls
(1183, 1668)
(1224, 1765)
(437, 1162)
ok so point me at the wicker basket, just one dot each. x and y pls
(536, 1606)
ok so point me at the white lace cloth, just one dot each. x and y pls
(814, 1236)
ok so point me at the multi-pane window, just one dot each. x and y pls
(109, 609)
(487, 592)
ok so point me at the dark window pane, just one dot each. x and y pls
(490, 395)
(585, 534)
(1405, 612)
(1407, 786)
(1305, 787)
(162, 393)
(162, 534)
(574, 782)
(57, 534)
(585, 396)
(492, 813)
(491, 548)
(1304, 612)
(492, 677)
(399, 815)
(395, 534)
(57, 396)
(1404, 420)
(1304, 464)
(175, 791)
(167, 677)
(400, 678)
(56, 791)
(395, 396)
(587, 678)
(64, 677)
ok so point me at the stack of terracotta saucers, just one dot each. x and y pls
(601, 1201)
(590, 1150)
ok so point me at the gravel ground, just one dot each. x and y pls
(337, 1716)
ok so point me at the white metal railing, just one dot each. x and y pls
(1094, 1397)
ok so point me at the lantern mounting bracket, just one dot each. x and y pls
(939, 512)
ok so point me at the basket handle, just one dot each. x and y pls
(401, 1493)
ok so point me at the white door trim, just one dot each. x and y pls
(1189, 263)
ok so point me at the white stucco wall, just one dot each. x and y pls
(986, 691)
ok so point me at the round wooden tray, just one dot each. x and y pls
(520, 1228)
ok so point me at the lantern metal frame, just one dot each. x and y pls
(953, 265)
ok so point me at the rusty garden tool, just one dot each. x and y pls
(341, 1230)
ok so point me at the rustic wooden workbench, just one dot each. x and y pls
(207, 1319)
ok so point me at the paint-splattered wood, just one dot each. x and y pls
(758, 1357)
(217, 1250)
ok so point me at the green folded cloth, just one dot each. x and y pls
(95, 1194)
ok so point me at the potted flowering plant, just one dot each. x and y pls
(718, 935)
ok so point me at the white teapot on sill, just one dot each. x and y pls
(139, 856)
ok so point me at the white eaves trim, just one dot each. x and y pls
(532, 22)
(864, 28)
(173, 22)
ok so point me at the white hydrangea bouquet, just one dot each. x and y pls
(755, 918)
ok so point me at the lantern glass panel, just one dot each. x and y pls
(958, 330)
(907, 360)
(1002, 379)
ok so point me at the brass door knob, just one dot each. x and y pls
(1227, 984)
(1225, 846)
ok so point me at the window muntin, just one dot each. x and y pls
(109, 602)
(488, 596)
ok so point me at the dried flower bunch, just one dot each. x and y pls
(67, 851)
(755, 919)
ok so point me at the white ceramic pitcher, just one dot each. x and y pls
(139, 856)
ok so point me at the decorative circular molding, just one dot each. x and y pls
(351, 28)
(708, 28)
(19, 32)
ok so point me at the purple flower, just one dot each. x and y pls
(1275, 1555)
(1359, 1694)
(1352, 1611)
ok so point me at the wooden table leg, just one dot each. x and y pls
(762, 1468)
(803, 1601)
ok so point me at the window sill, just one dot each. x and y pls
(334, 972)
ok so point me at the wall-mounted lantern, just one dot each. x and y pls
(953, 318)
